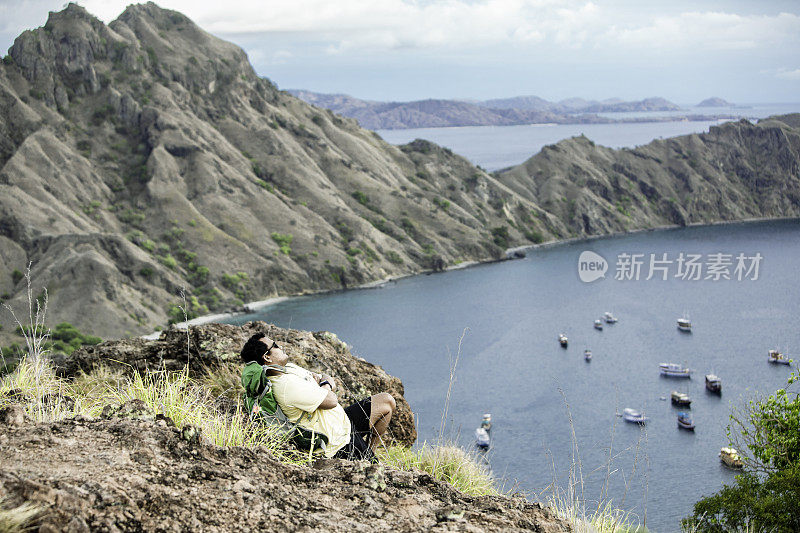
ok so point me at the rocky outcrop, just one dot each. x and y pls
(128, 473)
(208, 346)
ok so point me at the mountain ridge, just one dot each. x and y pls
(520, 110)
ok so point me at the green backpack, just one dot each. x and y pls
(261, 405)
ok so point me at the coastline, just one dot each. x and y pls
(258, 305)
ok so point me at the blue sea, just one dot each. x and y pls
(494, 329)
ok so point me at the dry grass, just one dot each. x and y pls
(17, 519)
(450, 463)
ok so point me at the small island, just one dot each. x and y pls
(715, 101)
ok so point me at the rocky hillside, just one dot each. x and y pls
(148, 174)
(146, 157)
(133, 474)
(733, 172)
(132, 469)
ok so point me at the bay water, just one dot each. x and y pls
(497, 147)
(495, 328)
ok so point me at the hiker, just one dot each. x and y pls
(309, 400)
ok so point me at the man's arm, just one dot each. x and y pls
(330, 401)
(321, 378)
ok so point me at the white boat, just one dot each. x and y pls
(685, 421)
(562, 339)
(713, 384)
(609, 318)
(684, 324)
(598, 324)
(680, 398)
(587, 354)
(482, 439)
(730, 457)
(633, 416)
(674, 370)
(774, 356)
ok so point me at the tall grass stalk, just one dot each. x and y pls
(570, 502)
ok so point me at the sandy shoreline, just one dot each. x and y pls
(509, 254)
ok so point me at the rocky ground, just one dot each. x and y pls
(129, 474)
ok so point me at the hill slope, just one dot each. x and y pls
(146, 156)
(735, 171)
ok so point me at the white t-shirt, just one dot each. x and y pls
(299, 395)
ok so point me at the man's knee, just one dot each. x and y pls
(385, 402)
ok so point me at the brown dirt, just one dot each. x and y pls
(124, 474)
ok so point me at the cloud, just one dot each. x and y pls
(788, 74)
(709, 31)
(356, 26)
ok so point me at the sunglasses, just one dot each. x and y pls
(274, 345)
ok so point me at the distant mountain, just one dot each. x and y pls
(439, 113)
(648, 104)
(498, 112)
(714, 102)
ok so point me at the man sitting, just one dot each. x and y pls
(309, 400)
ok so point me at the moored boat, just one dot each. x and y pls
(684, 324)
(633, 416)
(680, 398)
(598, 324)
(774, 356)
(562, 340)
(674, 370)
(730, 457)
(609, 318)
(482, 439)
(713, 384)
(685, 421)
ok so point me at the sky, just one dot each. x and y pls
(402, 50)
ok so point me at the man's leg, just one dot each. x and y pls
(382, 407)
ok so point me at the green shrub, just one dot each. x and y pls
(764, 498)
(393, 257)
(168, 261)
(534, 236)
(360, 197)
(17, 276)
(500, 236)
(283, 241)
(266, 186)
(444, 205)
(146, 272)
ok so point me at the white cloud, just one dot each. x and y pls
(709, 31)
(788, 74)
(439, 25)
